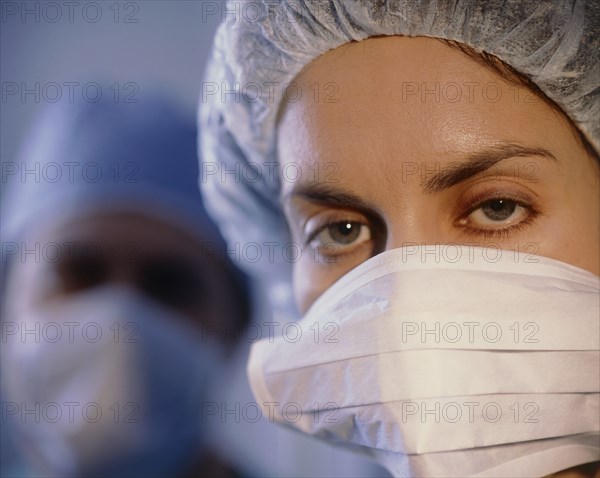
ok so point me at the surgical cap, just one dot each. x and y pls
(86, 157)
(262, 45)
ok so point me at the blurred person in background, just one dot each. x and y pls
(438, 170)
(117, 301)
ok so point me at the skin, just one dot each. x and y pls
(378, 146)
(377, 150)
(159, 261)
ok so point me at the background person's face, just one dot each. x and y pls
(159, 261)
(431, 148)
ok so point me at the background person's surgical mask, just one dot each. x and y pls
(457, 368)
(107, 383)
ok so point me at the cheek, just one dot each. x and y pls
(573, 235)
(312, 277)
(577, 249)
(308, 283)
(585, 252)
(314, 274)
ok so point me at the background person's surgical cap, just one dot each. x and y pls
(85, 157)
(263, 45)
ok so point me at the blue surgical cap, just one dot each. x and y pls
(263, 45)
(86, 157)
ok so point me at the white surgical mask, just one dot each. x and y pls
(461, 363)
(107, 383)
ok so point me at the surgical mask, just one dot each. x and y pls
(459, 361)
(107, 383)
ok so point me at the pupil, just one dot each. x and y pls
(345, 228)
(345, 232)
(499, 209)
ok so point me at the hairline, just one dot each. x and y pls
(512, 75)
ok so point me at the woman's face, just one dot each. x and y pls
(410, 141)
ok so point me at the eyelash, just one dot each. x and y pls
(311, 237)
(481, 198)
(329, 223)
(346, 254)
(501, 233)
(475, 202)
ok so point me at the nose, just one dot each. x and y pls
(415, 224)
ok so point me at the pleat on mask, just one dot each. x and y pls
(459, 366)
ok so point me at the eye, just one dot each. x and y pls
(497, 212)
(342, 235)
(82, 271)
(171, 281)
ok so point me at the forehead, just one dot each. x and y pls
(385, 101)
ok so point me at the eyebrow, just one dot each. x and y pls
(478, 162)
(474, 163)
(326, 194)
